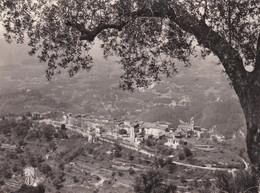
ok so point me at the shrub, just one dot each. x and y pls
(8, 174)
(172, 168)
(181, 156)
(159, 162)
(122, 132)
(152, 181)
(75, 179)
(63, 127)
(187, 152)
(243, 181)
(21, 142)
(57, 183)
(131, 171)
(183, 180)
(117, 150)
(131, 157)
(46, 169)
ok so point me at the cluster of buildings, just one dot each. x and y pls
(132, 132)
(88, 126)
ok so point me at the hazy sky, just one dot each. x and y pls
(14, 53)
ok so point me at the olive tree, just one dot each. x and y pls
(147, 36)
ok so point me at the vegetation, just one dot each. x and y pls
(117, 150)
(242, 182)
(122, 132)
(153, 182)
(30, 189)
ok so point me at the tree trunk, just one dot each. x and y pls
(250, 103)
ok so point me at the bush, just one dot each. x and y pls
(57, 183)
(18, 150)
(152, 181)
(122, 132)
(21, 142)
(159, 162)
(75, 179)
(183, 180)
(131, 157)
(181, 156)
(172, 168)
(15, 168)
(46, 169)
(241, 182)
(187, 152)
(63, 127)
(8, 174)
(117, 150)
(131, 171)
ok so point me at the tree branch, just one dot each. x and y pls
(90, 35)
(205, 35)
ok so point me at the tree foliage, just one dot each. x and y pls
(152, 182)
(242, 182)
(60, 32)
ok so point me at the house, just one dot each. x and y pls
(138, 140)
(188, 129)
(98, 131)
(185, 127)
(47, 115)
(157, 133)
(132, 135)
(91, 134)
(74, 120)
(65, 119)
(36, 115)
(154, 129)
(197, 128)
(172, 142)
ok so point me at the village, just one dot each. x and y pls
(132, 132)
(132, 135)
(182, 146)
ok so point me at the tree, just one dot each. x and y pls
(117, 150)
(46, 169)
(63, 127)
(147, 36)
(181, 156)
(152, 182)
(122, 132)
(187, 152)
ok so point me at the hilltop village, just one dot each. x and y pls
(140, 136)
(131, 133)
